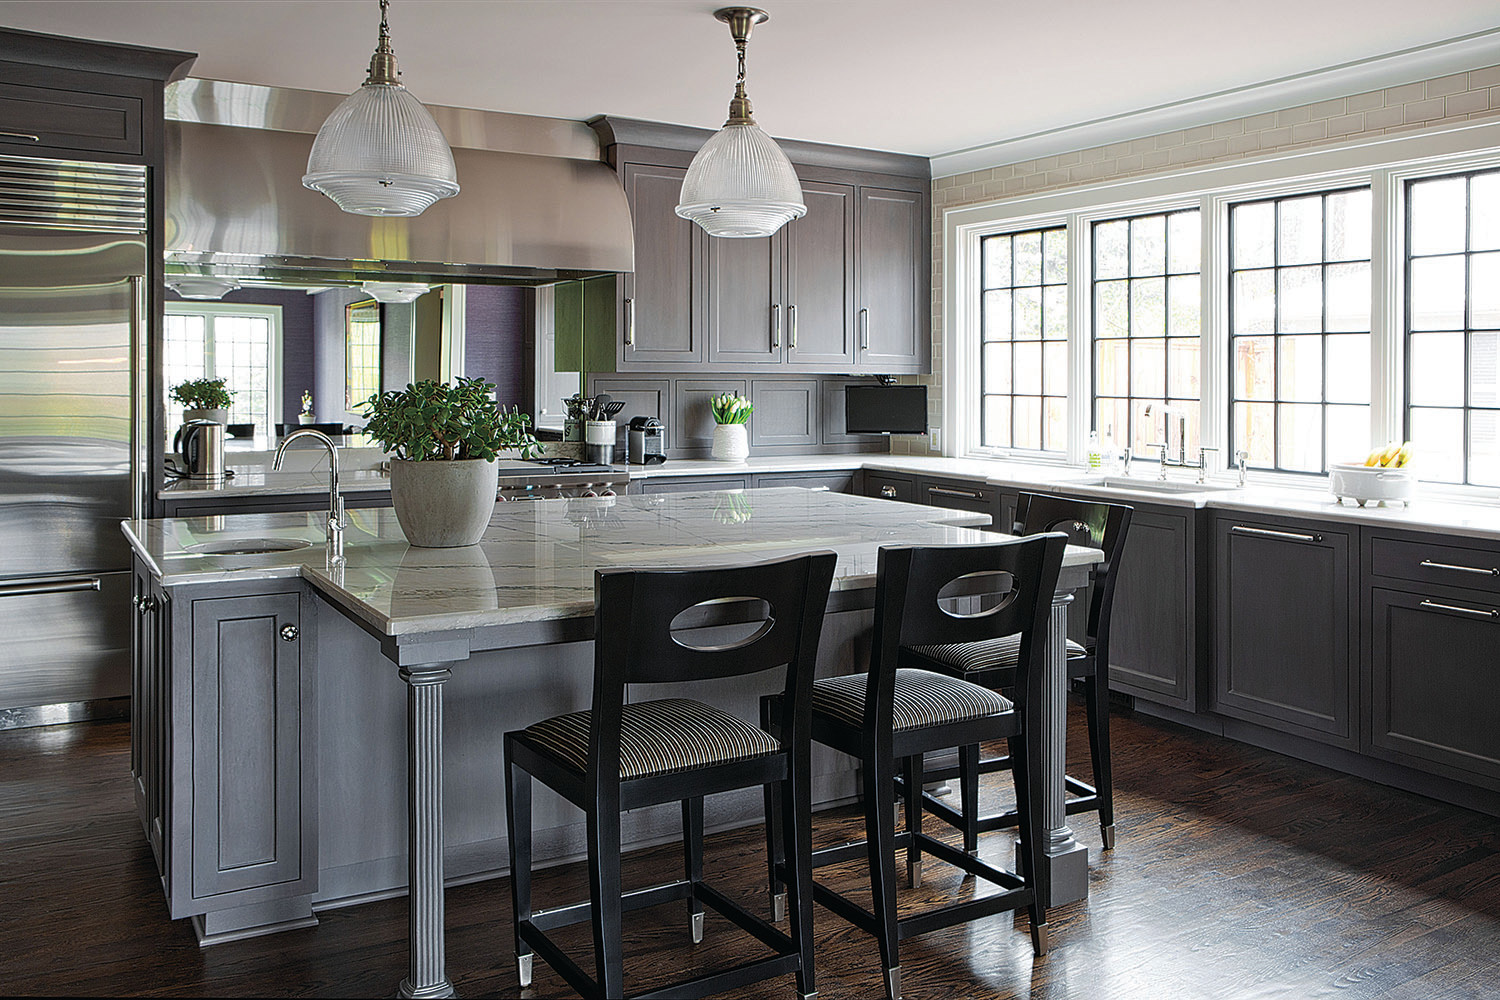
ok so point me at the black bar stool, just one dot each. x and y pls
(892, 715)
(667, 626)
(993, 663)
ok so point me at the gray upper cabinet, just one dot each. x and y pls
(661, 309)
(893, 280)
(843, 290)
(746, 316)
(819, 294)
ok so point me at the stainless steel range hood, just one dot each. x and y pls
(537, 205)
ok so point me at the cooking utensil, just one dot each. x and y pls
(600, 402)
(613, 408)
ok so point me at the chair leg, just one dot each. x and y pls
(880, 836)
(692, 861)
(968, 783)
(775, 844)
(1096, 705)
(604, 884)
(518, 823)
(912, 793)
(796, 818)
(1031, 811)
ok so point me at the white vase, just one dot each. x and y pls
(731, 443)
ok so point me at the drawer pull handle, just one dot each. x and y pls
(66, 586)
(289, 633)
(27, 136)
(629, 322)
(776, 326)
(888, 491)
(943, 491)
(864, 329)
(1480, 570)
(1290, 536)
(791, 320)
(1481, 612)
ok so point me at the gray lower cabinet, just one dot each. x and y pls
(956, 494)
(1433, 605)
(890, 486)
(685, 484)
(224, 742)
(1284, 649)
(1155, 639)
(833, 482)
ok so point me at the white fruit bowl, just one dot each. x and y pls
(1371, 483)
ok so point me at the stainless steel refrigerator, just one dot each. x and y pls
(72, 256)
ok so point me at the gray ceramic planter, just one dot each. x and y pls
(444, 504)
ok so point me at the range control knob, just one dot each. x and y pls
(589, 493)
(609, 493)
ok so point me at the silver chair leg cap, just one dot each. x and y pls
(697, 925)
(1040, 940)
(523, 969)
(778, 907)
(893, 983)
(1108, 832)
(914, 874)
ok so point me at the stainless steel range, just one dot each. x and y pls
(547, 479)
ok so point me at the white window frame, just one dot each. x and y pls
(1383, 163)
(274, 387)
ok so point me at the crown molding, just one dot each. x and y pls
(1425, 62)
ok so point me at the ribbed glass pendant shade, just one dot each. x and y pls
(381, 153)
(741, 184)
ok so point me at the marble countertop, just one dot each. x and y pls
(537, 560)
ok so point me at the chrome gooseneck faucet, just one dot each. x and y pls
(1181, 462)
(335, 502)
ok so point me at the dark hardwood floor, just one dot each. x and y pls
(1238, 874)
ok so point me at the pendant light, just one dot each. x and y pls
(380, 152)
(741, 184)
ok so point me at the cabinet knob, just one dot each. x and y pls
(289, 633)
(144, 603)
(888, 491)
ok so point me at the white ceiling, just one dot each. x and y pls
(919, 76)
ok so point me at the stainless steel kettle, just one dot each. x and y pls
(199, 444)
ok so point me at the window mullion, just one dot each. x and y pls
(1387, 356)
(1080, 344)
(1213, 283)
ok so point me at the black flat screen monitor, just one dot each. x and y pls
(885, 409)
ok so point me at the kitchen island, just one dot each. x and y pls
(268, 741)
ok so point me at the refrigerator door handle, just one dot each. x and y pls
(62, 585)
(140, 335)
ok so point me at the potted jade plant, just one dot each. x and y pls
(731, 436)
(203, 399)
(444, 440)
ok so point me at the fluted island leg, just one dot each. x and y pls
(427, 975)
(1067, 859)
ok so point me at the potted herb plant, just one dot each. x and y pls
(731, 436)
(444, 440)
(203, 399)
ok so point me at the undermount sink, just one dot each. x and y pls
(248, 546)
(1159, 485)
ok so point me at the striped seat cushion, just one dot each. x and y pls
(656, 737)
(922, 698)
(988, 654)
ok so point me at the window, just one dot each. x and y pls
(1146, 325)
(238, 343)
(1453, 327)
(1024, 335)
(361, 353)
(1299, 326)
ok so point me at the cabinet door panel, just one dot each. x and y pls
(1152, 627)
(1283, 626)
(1433, 686)
(786, 412)
(746, 317)
(890, 279)
(247, 781)
(70, 120)
(661, 314)
(820, 279)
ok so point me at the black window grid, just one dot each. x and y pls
(1469, 407)
(1042, 398)
(1130, 399)
(1276, 335)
